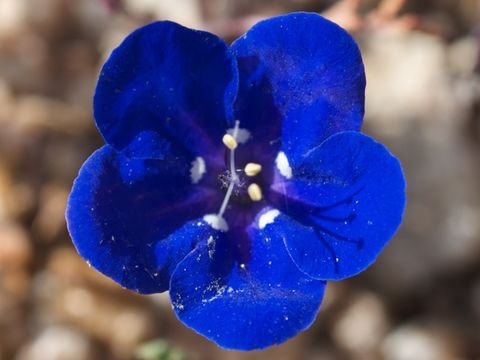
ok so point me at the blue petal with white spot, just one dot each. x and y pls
(301, 80)
(244, 301)
(346, 199)
(119, 209)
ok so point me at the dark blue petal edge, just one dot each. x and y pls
(121, 211)
(166, 86)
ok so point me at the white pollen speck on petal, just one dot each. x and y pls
(283, 165)
(267, 218)
(242, 135)
(216, 222)
(210, 241)
(211, 247)
(198, 169)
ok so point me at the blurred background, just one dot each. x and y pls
(420, 301)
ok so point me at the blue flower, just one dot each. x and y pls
(235, 176)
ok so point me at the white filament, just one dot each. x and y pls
(233, 175)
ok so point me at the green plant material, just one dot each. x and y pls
(159, 350)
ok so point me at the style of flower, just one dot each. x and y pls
(235, 176)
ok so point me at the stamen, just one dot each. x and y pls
(252, 169)
(229, 141)
(255, 192)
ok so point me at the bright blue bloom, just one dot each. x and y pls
(159, 208)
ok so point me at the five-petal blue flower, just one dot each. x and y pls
(165, 205)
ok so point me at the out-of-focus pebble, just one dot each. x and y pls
(188, 12)
(408, 80)
(12, 16)
(362, 325)
(15, 257)
(15, 247)
(49, 222)
(463, 55)
(416, 341)
(57, 343)
(70, 291)
(34, 113)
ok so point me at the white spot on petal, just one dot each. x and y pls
(216, 222)
(283, 165)
(242, 135)
(267, 218)
(198, 169)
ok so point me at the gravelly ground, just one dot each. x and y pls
(421, 300)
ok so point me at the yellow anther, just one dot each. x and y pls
(252, 169)
(229, 141)
(255, 192)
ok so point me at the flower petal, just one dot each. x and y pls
(346, 199)
(240, 299)
(301, 74)
(166, 85)
(120, 208)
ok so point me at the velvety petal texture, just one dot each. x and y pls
(346, 199)
(158, 207)
(300, 73)
(120, 209)
(240, 302)
(166, 85)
